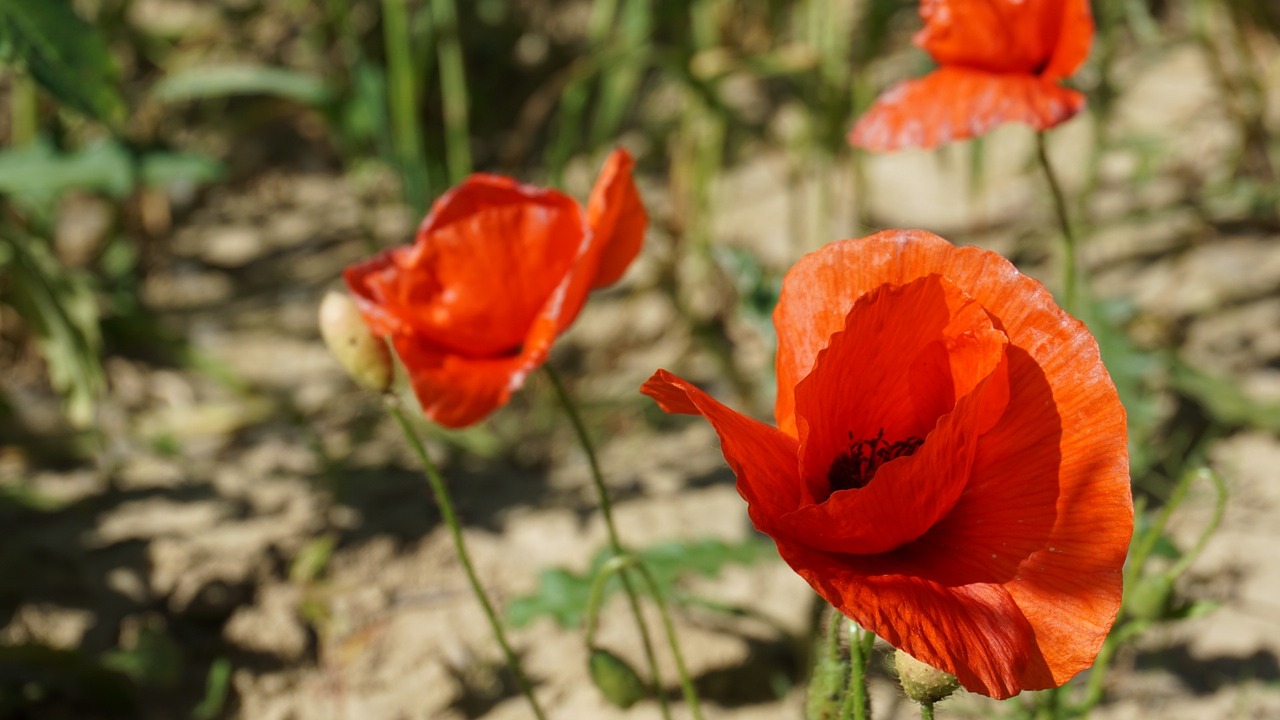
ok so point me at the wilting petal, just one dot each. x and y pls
(763, 459)
(954, 103)
(616, 215)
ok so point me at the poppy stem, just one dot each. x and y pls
(1069, 264)
(926, 711)
(450, 517)
(857, 703)
(615, 544)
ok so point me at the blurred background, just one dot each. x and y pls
(201, 517)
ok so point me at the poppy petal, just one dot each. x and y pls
(762, 458)
(999, 36)
(487, 228)
(1075, 38)
(953, 103)
(975, 632)
(457, 391)
(892, 370)
(616, 215)
(1047, 513)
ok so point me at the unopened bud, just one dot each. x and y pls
(922, 682)
(362, 354)
(617, 681)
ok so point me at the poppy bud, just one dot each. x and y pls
(362, 354)
(617, 681)
(922, 682)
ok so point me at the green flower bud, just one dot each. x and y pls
(922, 682)
(362, 354)
(617, 681)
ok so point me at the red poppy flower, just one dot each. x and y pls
(999, 61)
(949, 467)
(496, 272)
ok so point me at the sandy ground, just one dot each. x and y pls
(212, 489)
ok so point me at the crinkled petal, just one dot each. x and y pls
(976, 632)
(482, 266)
(1047, 513)
(763, 459)
(616, 215)
(953, 103)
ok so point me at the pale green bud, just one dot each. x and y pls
(362, 354)
(922, 682)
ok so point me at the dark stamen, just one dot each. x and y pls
(855, 467)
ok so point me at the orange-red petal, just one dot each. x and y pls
(977, 632)
(899, 340)
(489, 232)
(954, 103)
(1040, 533)
(1000, 36)
(763, 459)
(616, 215)
(1075, 38)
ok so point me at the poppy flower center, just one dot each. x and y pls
(855, 467)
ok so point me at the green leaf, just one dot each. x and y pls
(201, 83)
(58, 304)
(562, 594)
(155, 659)
(1224, 399)
(217, 688)
(38, 173)
(169, 169)
(67, 56)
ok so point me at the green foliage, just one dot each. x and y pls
(31, 675)
(65, 54)
(155, 659)
(617, 681)
(39, 173)
(562, 594)
(204, 83)
(217, 689)
(58, 305)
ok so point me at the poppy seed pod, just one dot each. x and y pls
(922, 682)
(362, 354)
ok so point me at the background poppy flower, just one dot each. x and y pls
(949, 466)
(496, 272)
(999, 61)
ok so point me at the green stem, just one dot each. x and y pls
(615, 543)
(402, 97)
(926, 711)
(441, 494)
(686, 681)
(453, 90)
(24, 116)
(1069, 261)
(857, 704)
